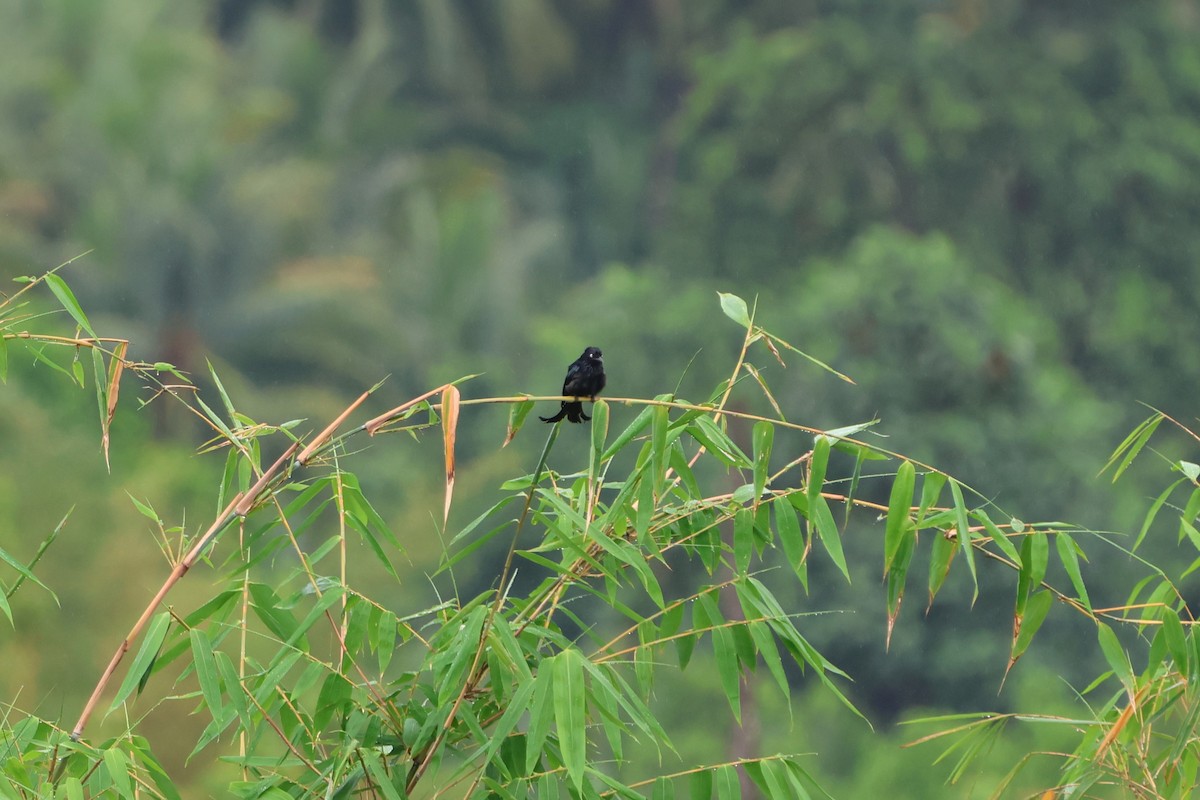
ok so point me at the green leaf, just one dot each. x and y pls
(67, 298)
(931, 490)
(941, 554)
(144, 660)
(541, 714)
(1115, 655)
(569, 713)
(145, 510)
(21, 569)
(331, 596)
(684, 645)
(827, 530)
(1132, 445)
(899, 507)
(515, 708)
(1035, 613)
(717, 442)
(743, 539)
(735, 308)
(787, 527)
(964, 535)
(269, 608)
(1176, 641)
(635, 428)
(817, 466)
(658, 440)
(1035, 555)
(728, 786)
(764, 642)
(1068, 554)
(206, 671)
(599, 431)
(1153, 512)
(379, 774)
(702, 785)
(764, 436)
(1003, 542)
(898, 575)
(517, 412)
(116, 763)
(707, 614)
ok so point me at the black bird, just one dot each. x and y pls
(585, 378)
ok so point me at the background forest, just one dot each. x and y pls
(984, 213)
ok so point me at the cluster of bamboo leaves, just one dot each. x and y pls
(310, 687)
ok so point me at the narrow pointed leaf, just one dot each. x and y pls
(144, 660)
(67, 298)
(899, 507)
(735, 308)
(517, 412)
(1127, 450)
(1115, 655)
(941, 555)
(791, 537)
(1035, 614)
(764, 436)
(1069, 555)
(450, 401)
(569, 713)
(964, 535)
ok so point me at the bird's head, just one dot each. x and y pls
(593, 354)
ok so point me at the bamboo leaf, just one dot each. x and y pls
(517, 412)
(599, 434)
(1038, 556)
(728, 786)
(743, 539)
(1115, 655)
(144, 660)
(964, 535)
(634, 429)
(787, 528)
(817, 466)
(541, 714)
(206, 672)
(717, 442)
(899, 508)
(1127, 450)
(450, 402)
(1176, 641)
(898, 576)
(764, 436)
(941, 555)
(735, 308)
(67, 298)
(570, 713)
(116, 763)
(1006, 546)
(1153, 512)
(827, 530)
(1035, 614)
(931, 489)
(1068, 553)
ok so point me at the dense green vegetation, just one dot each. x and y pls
(980, 212)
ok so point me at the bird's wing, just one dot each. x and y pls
(572, 373)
